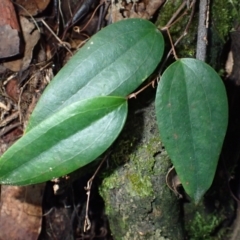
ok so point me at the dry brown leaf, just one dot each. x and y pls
(9, 30)
(12, 89)
(31, 38)
(134, 9)
(32, 7)
(20, 212)
(173, 182)
(10, 42)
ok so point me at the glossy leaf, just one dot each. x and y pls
(115, 62)
(64, 142)
(192, 113)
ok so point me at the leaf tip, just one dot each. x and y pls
(198, 195)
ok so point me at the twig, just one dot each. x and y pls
(172, 45)
(64, 44)
(48, 212)
(87, 222)
(185, 32)
(9, 119)
(9, 128)
(175, 15)
(202, 30)
(99, 5)
(23, 87)
(24, 9)
(60, 11)
(134, 94)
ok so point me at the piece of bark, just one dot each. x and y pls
(9, 30)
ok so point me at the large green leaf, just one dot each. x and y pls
(115, 62)
(65, 141)
(192, 114)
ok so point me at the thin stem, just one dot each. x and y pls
(87, 222)
(175, 15)
(64, 44)
(192, 6)
(172, 45)
(134, 95)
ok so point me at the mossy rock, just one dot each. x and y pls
(138, 203)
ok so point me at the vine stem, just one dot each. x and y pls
(87, 222)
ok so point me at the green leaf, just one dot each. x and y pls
(64, 142)
(192, 116)
(114, 62)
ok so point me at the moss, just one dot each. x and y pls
(203, 227)
(136, 180)
(139, 169)
(225, 14)
(186, 47)
(134, 175)
(140, 184)
(209, 219)
(133, 185)
(166, 12)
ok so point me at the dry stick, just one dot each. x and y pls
(60, 11)
(71, 24)
(172, 45)
(61, 42)
(185, 32)
(202, 30)
(10, 127)
(64, 44)
(87, 222)
(174, 16)
(25, 10)
(22, 89)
